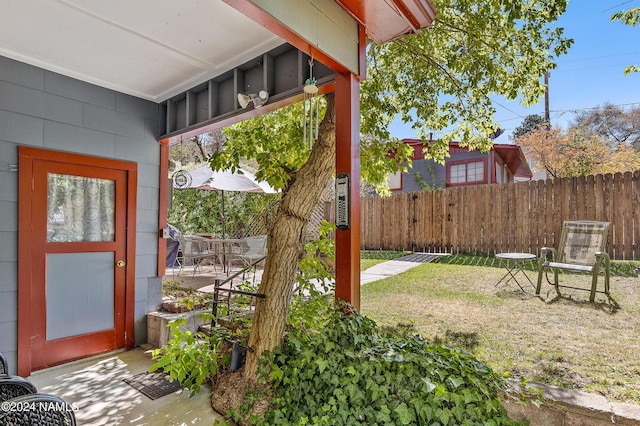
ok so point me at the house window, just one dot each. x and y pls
(466, 172)
(395, 181)
(499, 172)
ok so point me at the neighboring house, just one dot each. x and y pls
(504, 163)
(91, 96)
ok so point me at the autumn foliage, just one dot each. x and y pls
(576, 152)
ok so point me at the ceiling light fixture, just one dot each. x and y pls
(258, 100)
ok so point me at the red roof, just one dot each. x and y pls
(386, 20)
(514, 158)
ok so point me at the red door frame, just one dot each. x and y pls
(27, 156)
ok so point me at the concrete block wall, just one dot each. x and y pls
(158, 324)
(39, 108)
(568, 407)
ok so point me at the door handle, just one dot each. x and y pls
(120, 263)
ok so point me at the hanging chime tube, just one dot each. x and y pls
(311, 121)
(304, 118)
(317, 116)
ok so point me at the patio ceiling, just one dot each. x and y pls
(156, 49)
(152, 49)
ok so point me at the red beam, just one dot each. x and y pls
(347, 97)
(163, 205)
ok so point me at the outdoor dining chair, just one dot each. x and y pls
(43, 410)
(14, 386)
(22, 405)
(194, 250)
(251, 249)
(4, 368)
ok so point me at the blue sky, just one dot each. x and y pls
(591, 74)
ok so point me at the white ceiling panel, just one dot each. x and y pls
(147, 48)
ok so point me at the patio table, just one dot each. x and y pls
(514, 264)
(224, 248)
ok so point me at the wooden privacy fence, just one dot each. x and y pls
(516, 217)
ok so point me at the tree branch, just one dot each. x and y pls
(412, 52)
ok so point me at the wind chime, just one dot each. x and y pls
(310, 107)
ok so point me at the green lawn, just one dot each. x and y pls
(566, 342)
(369, 258)
(368, 263)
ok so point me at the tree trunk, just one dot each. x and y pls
(198, 141)
(285, 242)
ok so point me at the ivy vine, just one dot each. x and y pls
(347, 372)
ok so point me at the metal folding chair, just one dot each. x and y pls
(582, 248)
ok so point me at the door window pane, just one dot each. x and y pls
(80, 293)
(80, 209)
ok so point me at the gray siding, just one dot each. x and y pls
(435, 174)
(431, 172)
(43, 109)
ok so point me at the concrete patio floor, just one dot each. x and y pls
(95, 387)
(203, 280)
(205, 277)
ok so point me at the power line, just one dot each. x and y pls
(617, 6)
(591, 58)
(619, 66)
(565, 110)
(557, 113)
(595, 107)
(511, 111)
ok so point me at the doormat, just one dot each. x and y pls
(419, 257)
(153, 385)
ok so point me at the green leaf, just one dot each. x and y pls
(456, 381)
(445, 417)
(430, 386)
(276, 374)
(322, 364)
(406, 416)
(383, 414)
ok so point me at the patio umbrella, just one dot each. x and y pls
(221, 180)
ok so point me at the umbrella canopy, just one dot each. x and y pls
(226, 180)
(221, 180)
